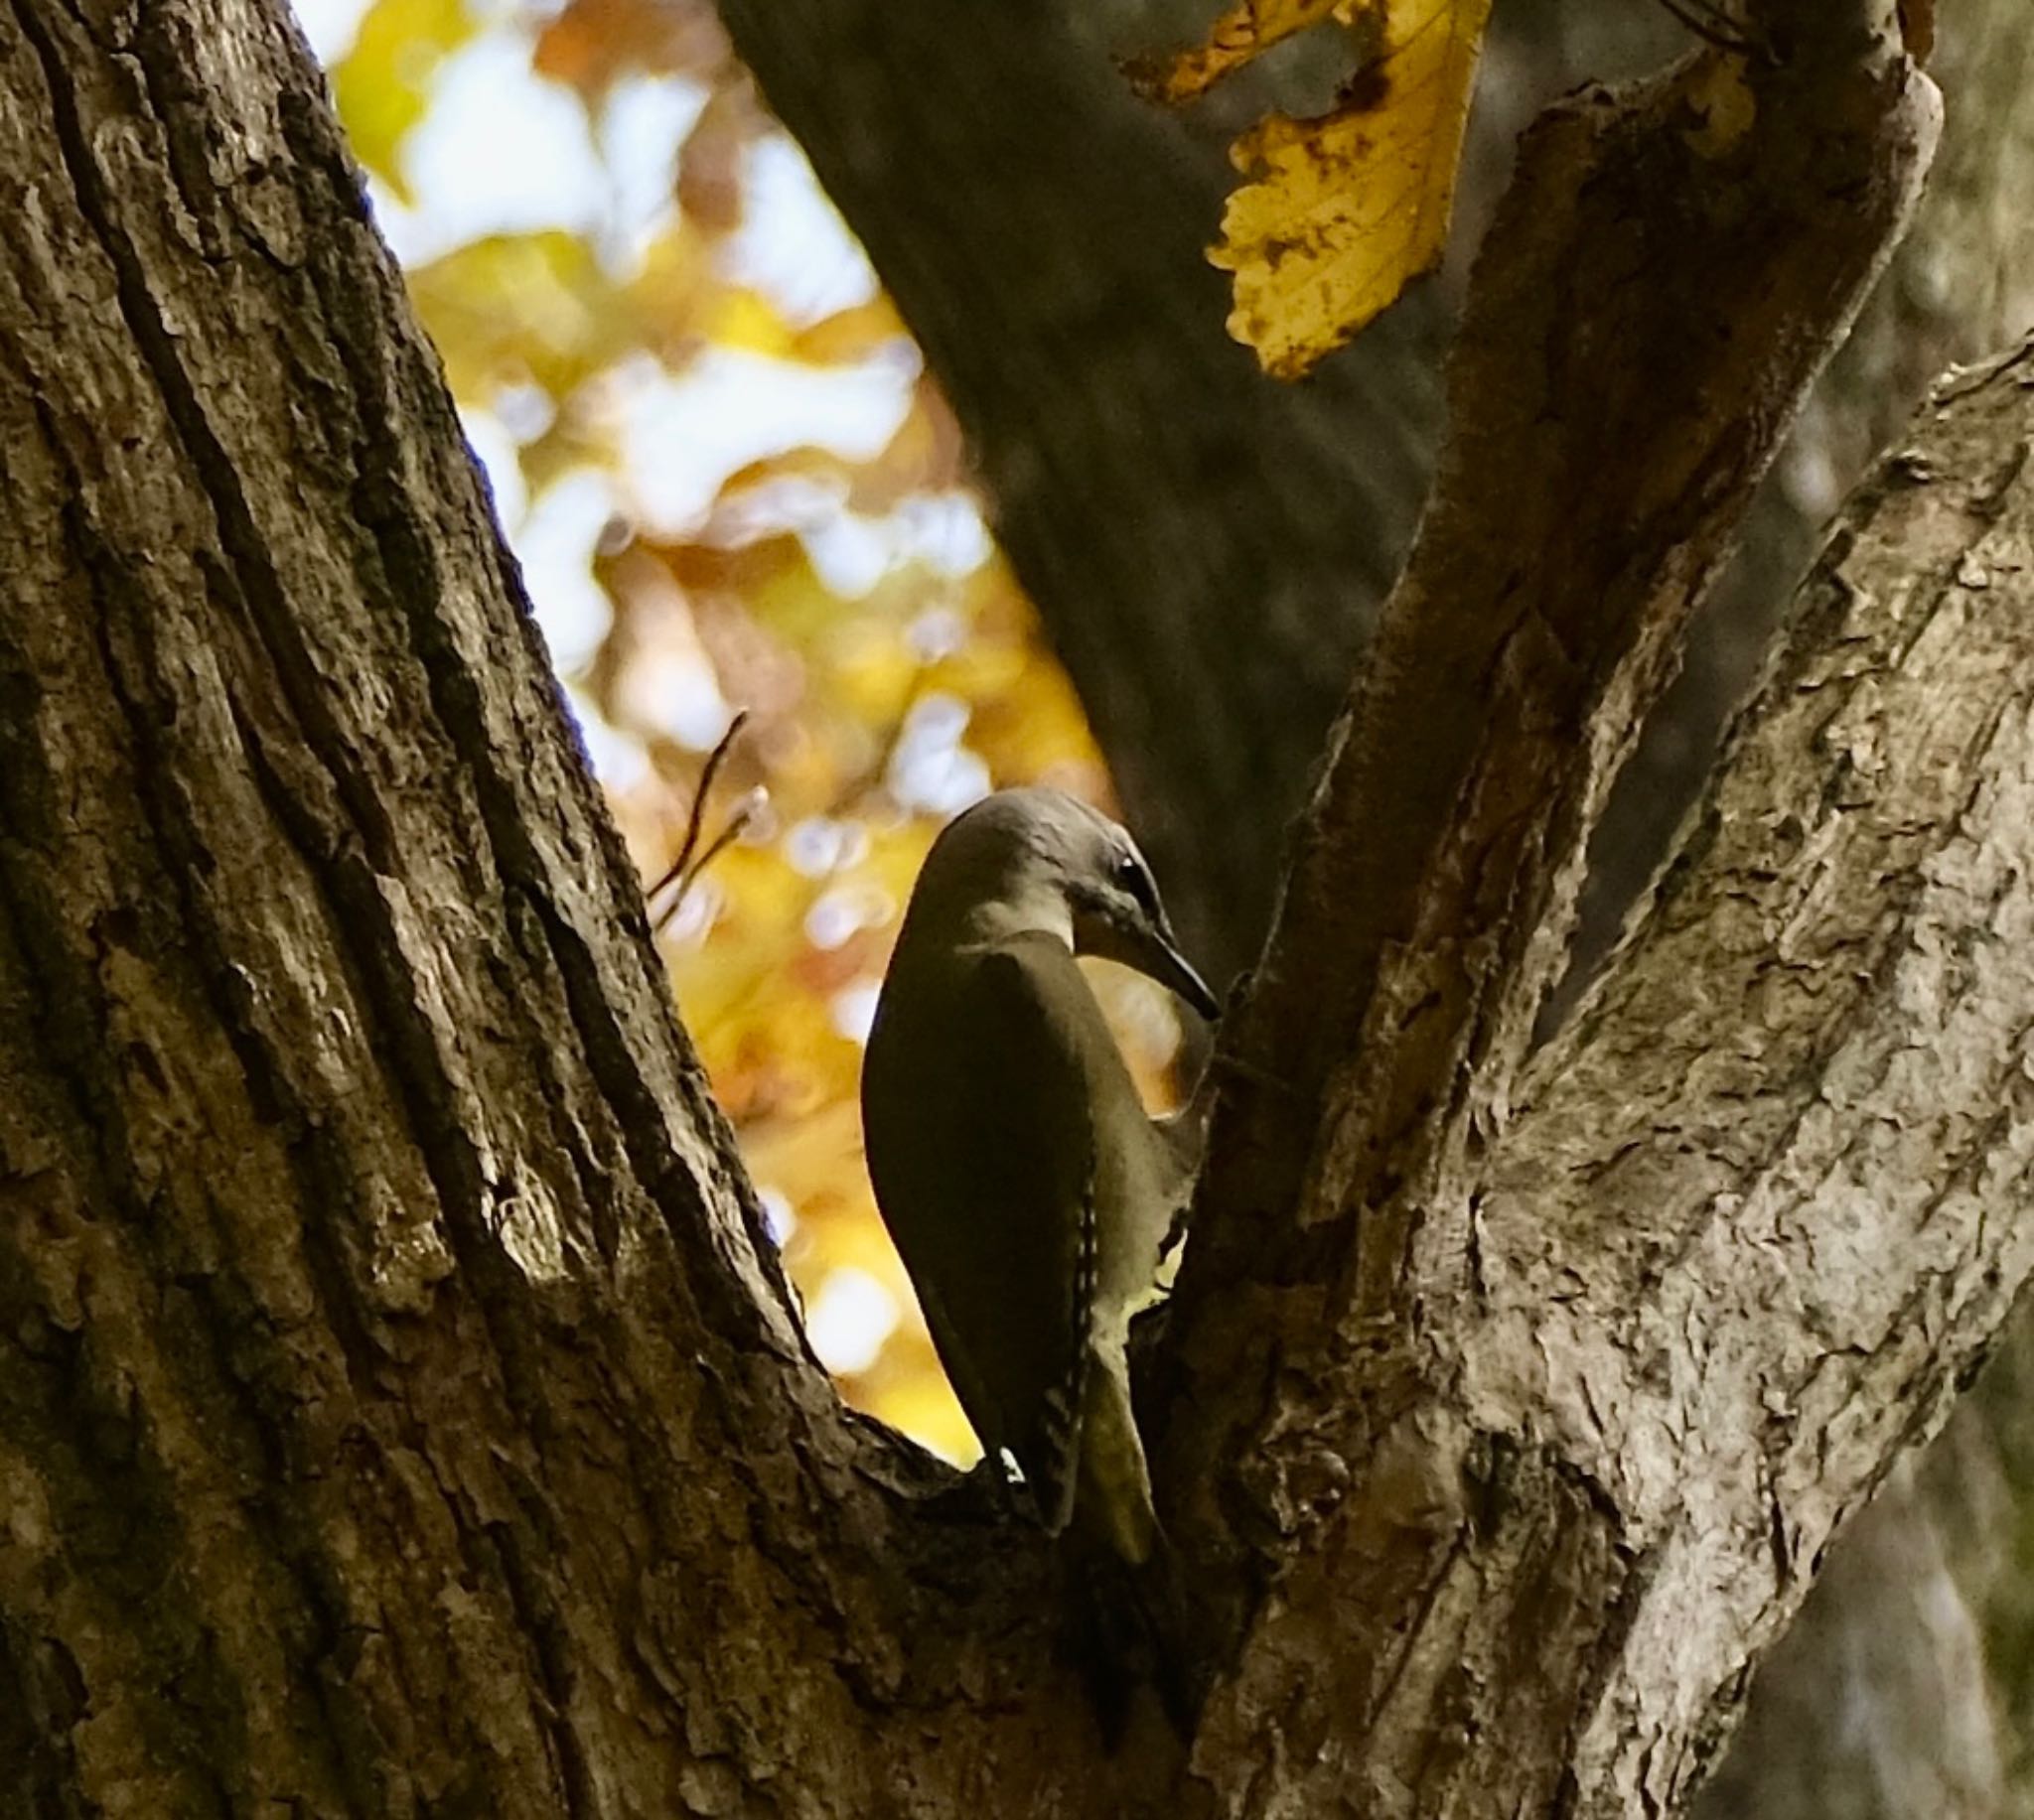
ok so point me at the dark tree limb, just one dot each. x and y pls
(1207, 547)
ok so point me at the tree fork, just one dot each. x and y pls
(398, 1412)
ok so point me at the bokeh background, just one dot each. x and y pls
(731, 485)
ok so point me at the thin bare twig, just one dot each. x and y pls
(683, 870)
(746, 813)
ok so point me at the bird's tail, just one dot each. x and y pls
(1128, 1630)
(1128, 1610)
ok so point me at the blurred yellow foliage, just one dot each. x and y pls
(822, 564)
(1344, 209)
(382, 87)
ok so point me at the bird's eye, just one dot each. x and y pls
(1132, 878)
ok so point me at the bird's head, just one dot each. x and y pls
(1043, 859)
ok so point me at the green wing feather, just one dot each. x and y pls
(981, 1101)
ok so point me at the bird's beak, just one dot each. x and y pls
(1145, 943)
(1164, 962)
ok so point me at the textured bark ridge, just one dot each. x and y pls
(356, 1409)
(399, 1412)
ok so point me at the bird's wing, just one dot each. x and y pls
(1033, 1104)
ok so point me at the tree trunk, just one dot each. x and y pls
(400, 1411)
(1904, 1690)
(366, 1378)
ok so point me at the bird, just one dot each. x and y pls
(1028, 1192)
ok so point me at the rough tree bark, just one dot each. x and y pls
(398, 1409)
(1905, 1688)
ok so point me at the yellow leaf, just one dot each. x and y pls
(591, 45)
(1348, 208)
(710, 166)
(924, 1407)
(1244, 31)
(850, 335)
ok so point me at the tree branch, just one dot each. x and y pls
(1650, 307)
(1754, 1222)
(1659, 288)
(1759, 1259)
